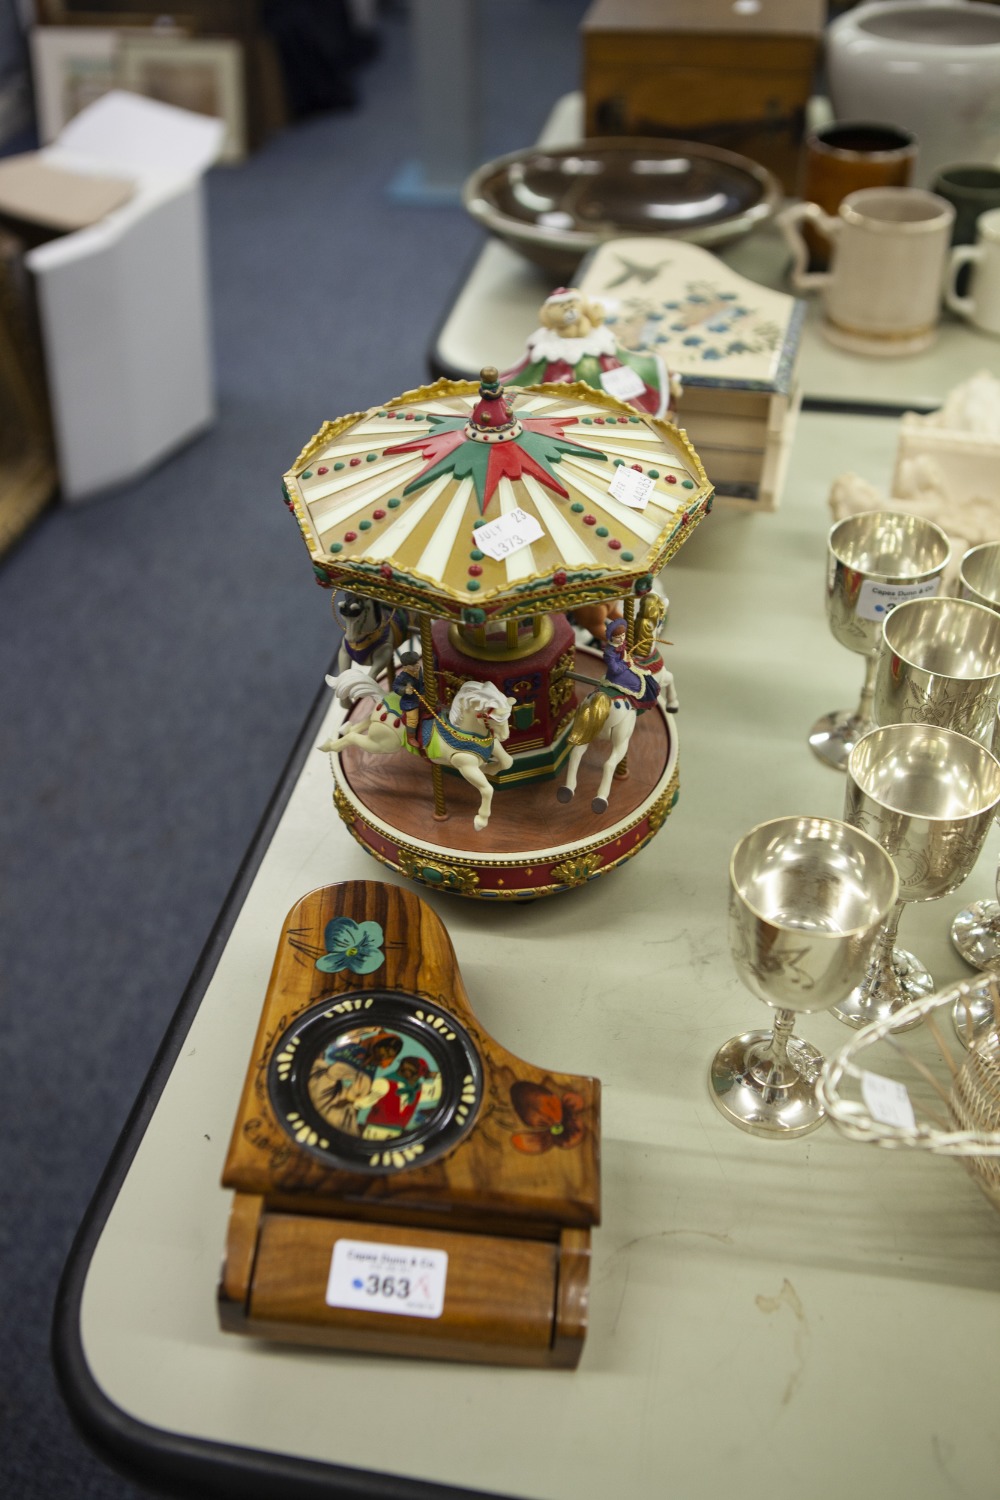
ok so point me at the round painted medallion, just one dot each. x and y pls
(375, 1082)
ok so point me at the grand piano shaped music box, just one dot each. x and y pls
(491, 756)
(403, 1184)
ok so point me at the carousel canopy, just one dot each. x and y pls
(390, 500)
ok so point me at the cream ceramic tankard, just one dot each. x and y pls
(882, 293)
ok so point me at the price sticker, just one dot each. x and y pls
(387, 1278)
(623, 383)
(498, 539)
(876, 600)
(631, 487)
(888, 1101)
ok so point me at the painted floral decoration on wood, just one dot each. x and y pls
(553, 1119)
(352, 945)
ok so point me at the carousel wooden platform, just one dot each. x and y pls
(534, 845)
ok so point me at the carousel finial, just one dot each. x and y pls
(492, 419)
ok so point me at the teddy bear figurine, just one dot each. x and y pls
(573, 343)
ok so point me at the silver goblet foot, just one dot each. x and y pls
(975, 932)
(834, 736)
(765, 1082)
(902, 979)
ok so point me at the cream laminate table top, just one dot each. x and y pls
(496, 308)
(767, 1319)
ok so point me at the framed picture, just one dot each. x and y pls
(71, 67)
(202, 75)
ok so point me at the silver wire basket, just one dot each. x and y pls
(955, 1094)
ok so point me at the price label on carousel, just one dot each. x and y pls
(887, 1101)
(875, 600)
(387, 1278)
(498, 539)
(623, 383)
(631, 487)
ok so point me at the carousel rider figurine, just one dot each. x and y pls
(408, 685)
(621, 673)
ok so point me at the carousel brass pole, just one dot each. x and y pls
(431, 693)
(512, 635)
(628, 605)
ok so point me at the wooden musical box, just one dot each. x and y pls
(403, 1184)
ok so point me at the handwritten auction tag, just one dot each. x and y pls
(623, 382)
(509, 533)
(888, 1101)
(631, 487)
(876, 600)
(387, 1278)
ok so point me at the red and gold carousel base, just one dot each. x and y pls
(534, 845)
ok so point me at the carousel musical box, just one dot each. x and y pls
(403, 1184)
(477, 520)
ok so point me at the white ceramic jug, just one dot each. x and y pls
(882, 293)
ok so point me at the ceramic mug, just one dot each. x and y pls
(848, 155)
(882, 293)
(972, 191)
(982, 304)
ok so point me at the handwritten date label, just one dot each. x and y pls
(509, 533)
(631, 487)
(623, 382)
(387, 1278)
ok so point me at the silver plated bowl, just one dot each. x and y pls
(554, 204)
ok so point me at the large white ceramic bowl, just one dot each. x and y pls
(930, 68)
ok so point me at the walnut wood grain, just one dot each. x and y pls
(505, 1301)
(484, 1174)
(515, 1221)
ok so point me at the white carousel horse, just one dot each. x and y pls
(599, 717)
(469, 739)
(371, 632)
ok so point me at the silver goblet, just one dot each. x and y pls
(975, 932)
(928, 795)
(807, 898)
(979, 575)
(875, 560)
(940, 664)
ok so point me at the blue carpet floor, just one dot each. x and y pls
(159, 649)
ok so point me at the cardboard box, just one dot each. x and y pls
(123, 302)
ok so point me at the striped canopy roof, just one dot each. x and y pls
(389, 501)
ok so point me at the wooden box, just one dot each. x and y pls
(382, 1128)
(703, 70)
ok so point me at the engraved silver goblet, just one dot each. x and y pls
(928, 795)
(975, 931)
(807, 899)
(875, 560)
(939, 663)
